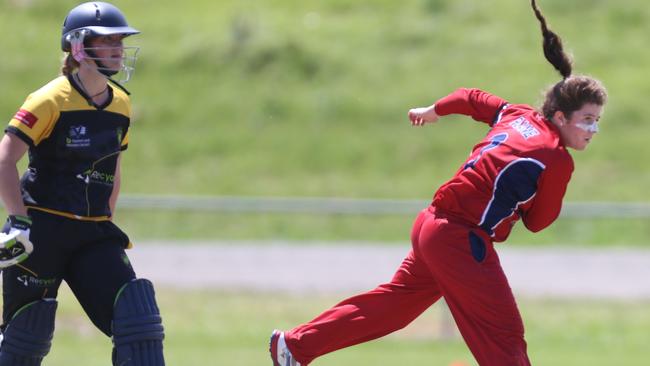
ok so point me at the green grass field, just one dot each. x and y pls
(388, 229)
(215, 328)
(308, 98)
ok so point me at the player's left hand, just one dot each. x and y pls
(15, 245)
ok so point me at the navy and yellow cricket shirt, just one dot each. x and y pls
(73, 148)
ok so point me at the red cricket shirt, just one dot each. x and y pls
(519, 170)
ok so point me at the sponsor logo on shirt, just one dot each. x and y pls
(95, 176)
(524, 127)
(26, 117)
(77, 137)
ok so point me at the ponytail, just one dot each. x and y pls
(553, 50)
(572, 92)
(69, 65)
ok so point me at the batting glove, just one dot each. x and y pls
(15, 245)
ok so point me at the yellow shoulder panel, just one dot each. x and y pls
(40, 111)
(121, 102)
(37, 116)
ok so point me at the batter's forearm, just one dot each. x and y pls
(10, 189)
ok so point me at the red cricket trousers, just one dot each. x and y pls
(448, 258)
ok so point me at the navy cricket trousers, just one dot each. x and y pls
(88, 255)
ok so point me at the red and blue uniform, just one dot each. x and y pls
(520, 170)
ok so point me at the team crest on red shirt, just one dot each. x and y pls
(26, 117)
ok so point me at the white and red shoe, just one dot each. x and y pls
(280, 353)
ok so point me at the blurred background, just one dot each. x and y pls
(280, 123)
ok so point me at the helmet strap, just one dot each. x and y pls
(101, 67)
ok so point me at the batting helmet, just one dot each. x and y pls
(97, 19)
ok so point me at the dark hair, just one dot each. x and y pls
(572, 92)
(69, 65)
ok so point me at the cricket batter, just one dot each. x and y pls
(519, 171)
(74, 128)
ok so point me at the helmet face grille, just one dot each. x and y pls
(105, 65)
(126, 66)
